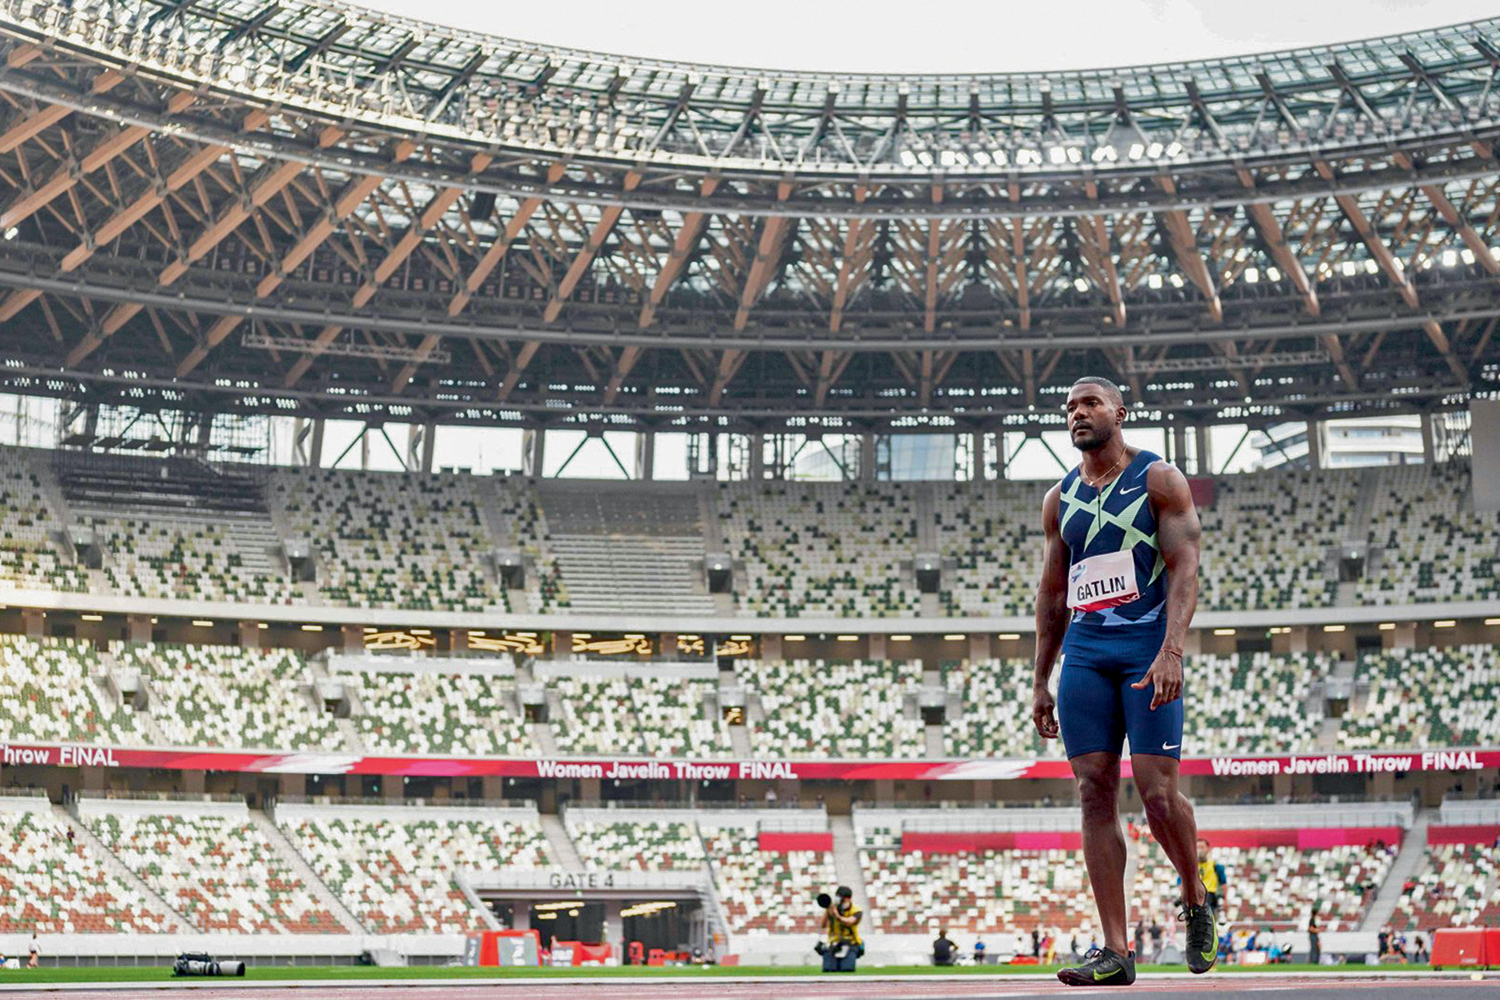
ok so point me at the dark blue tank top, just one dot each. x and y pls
(1117, 518)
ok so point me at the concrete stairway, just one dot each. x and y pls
(564, 853)
(117, 868)
(846, 859)
(320, 889)
(1408, 860)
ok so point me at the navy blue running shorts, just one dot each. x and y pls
(1096, 706)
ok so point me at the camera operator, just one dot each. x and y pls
(841, 918)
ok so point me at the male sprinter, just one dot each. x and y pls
(1118, 589)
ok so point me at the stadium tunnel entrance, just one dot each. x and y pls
(663, 911)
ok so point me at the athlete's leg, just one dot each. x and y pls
(1171, 817)
(1098, 776)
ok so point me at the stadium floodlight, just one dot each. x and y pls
(1252, 275)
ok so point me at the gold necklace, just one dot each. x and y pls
(1095, 484)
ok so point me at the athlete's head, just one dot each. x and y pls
(1096, 409)
(1203, 848)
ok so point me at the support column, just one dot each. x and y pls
(34, 622)
(293, 784)
(429, 447)
(976, 449)
(1314, 444)
(1429, 444)
(533, 451)
(757, 456)
(138, 628)
(645, 456)
(867, 457)
(391, 788)
(1297, 639)
(249, 635)
(770, 648)
(354, 638)
(979, 646)
(1179, 446)
(1204, 460)
(877, 646)
(614, 925)
(492, 787)
(1281, 786)
(1400, 637)
(669, 644)
(193, 782)
(315, 454)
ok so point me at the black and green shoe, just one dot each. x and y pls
(1202, 938)
(1101, 967)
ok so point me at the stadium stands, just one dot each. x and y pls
(989, 691)
(53, 884)
(834, 709)
(1455, 887)
(394, 866)
(212, 864)
(228, 696)
(439, 712)
(387, 540)
(50, 689)
(1282, 885)
(188, 558)
(1266, 539)
(987, 890)
(765, 890)
(29, 556)
(671, 844)
(993, 534)
(1425, 698)
(520, 513)
(1254, 703)
(1432, 545)
(643, 714)
(821, 548)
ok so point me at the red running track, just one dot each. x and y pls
(1263, 987)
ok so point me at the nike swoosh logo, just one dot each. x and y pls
(1098, 976)
(1131, 490)
(1174, 746)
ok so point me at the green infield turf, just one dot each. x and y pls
(286, 973)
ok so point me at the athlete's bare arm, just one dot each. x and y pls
(1051, 616)
(1178, 533)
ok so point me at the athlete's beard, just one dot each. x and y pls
(1094, 438)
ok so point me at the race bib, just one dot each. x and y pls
(1102, 581)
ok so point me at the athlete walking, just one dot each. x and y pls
(1118, 589)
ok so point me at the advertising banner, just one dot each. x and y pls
(633, 769)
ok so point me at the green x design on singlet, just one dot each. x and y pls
(1124, 520)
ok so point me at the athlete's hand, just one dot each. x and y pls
(1044, 713)
(1165, 676)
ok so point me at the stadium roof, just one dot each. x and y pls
(309, 208)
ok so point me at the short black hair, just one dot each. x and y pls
(1105, 383)
(845, 891)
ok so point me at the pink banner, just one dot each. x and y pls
(976, 769)
(1462, 834)
(781, 842)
